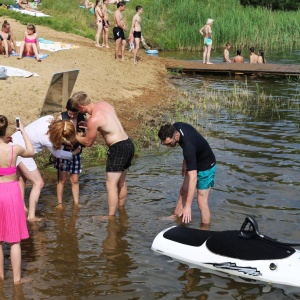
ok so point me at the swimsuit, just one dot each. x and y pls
(27, 40)
(13, 226)
(105, 23)
(207, 41)
(8, 37)
(118, 33)
(10, 170)
(119, 156)
(137, 34)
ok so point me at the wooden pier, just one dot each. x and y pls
(196, 67)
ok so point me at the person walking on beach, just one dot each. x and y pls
(207, 33)
(198, 169)
(253, 56)
(72, 166)
(121, 149)
(13, 226)
(238, 58)
(136, 30)
(105, 24)
(43, 133)
(226, 53)
(118, 31)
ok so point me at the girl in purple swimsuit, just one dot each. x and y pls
(13, 226)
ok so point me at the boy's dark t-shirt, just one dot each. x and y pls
(196, 150)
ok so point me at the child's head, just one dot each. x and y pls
(31, 27)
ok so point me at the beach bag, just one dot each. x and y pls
(3, 73)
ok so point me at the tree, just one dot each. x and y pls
(273, 4)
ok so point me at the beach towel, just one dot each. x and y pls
(54, 46)
(10, 71)
(27, 12)
(41, 55)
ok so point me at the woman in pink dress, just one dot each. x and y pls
(13, 226)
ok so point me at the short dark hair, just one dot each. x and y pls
(227, 44)
(70, 106)
(251, 49)
(166, 131)
(138, 8)
(238, 52)
(121, 3)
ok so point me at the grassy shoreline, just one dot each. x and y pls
(175, 24)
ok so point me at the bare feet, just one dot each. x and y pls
(35, 219)
(39, 60)
(209, 63)
(23, 280)
(99, 46)
(59, 206)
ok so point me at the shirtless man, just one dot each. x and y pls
(136, 30)
(226, 53)
(105, 24)
(119, 28)
(238, 58)
(121, 149)
(253, 56)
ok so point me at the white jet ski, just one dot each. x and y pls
(245, 252)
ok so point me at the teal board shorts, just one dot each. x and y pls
(206, 179)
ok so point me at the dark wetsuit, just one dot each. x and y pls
(196, 150)
(119, 156)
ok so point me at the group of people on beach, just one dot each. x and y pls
(206, 31)
(64, 137)
(29, 45)
(103, 24)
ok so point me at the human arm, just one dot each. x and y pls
(90, 133)
(13, 42)
(201, 30)
(28, 151)
(132, 25)
(187, 208)
(37, 43)
(183, 170)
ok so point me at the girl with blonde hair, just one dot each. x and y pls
(207, 33)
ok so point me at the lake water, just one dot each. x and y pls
(71, 255)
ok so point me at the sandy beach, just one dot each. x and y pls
(138, 92)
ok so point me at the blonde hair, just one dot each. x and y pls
(209, 21)
(60, 131)
(80, 98)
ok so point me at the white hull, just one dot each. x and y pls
(284, 271)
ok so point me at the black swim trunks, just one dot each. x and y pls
(119, 156)
(137, 34)
(118, 33)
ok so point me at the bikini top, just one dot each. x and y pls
(8, 37)
(27, 40)
(10, 170)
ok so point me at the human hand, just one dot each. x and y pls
(186, 214)
(77, 150)
(82, 124)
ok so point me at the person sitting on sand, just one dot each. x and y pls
(6, 40)
(261, 57)
(238, 58)
(253, 56)
(30, 45)
(24, 4)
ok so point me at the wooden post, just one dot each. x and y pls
(65, 90)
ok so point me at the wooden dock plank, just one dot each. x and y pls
(199, 67)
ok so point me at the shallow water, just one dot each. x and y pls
(71, 255)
